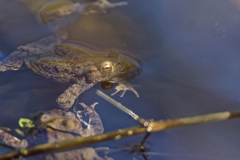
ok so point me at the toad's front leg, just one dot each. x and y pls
(67, 98)
(124, 86)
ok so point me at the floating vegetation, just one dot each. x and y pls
(20, 132)
(24, 122)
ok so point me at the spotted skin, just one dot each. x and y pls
(56, 125)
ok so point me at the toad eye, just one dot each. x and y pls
(106, 85)
(106, 67)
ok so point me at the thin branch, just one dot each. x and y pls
(153, 127)
(140, 120)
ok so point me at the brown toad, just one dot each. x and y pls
(56, 125)
(72, 63)
(69, 63)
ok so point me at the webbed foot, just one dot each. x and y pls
(124, 87)
(101, 6)
(106, 4)
(94, 124)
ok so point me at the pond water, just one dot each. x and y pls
(190, 65)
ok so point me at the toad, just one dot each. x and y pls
(66, 62)
(69, 63)
(56, 125)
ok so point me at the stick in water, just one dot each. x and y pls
(142, 121)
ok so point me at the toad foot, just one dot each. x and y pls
(124, 87)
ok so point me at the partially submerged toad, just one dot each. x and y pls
(68, 63)
(71, 63)
(56, 125)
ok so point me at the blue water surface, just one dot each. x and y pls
(190, 57)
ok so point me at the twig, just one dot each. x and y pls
(155, 126)
(143, 122)
(123, 108)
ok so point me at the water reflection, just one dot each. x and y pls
(190, 60)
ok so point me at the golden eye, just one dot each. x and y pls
(106, 67)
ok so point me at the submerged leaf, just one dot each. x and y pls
(19, 132)
(24, 122)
